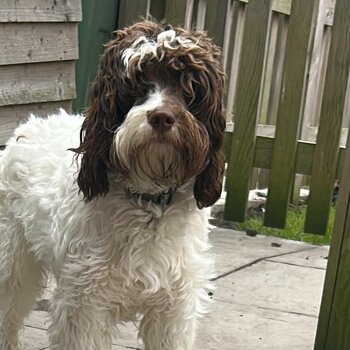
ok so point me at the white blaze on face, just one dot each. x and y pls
(135, 127)
(135, 123)
(149, 48)
(151, 164)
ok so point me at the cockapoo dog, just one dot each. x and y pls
(110, 204)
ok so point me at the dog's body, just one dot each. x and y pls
(120, 227)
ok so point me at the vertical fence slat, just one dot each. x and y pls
(249, 86)
(175, 11)
(99, 21)
(227, 33)
(276, 86)
(269, 70)
(233, 60)
(314, 88)
(327, 146)
(214, 23)
(188, 14)
(129, 11)
(157, 9)
(201, 11)
(301, 27)
(315, 84)
(331, 332)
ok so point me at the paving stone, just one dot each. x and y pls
(267, 298)
(233, 249)
(316, 258)
(240, 327)
(274, 285)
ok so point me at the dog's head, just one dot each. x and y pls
(155, 114)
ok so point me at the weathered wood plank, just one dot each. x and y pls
(311, 134)
(38, 42)
(189, 13)
(231, 22)
(249, 85)
(175, 11)
(333, 324)
(214, 20)
(201, 12)
(40, 11)
(157, 9)
(130, 11)
(282, 6)
(100, 21)
(270, 69)
(317, 71)
(233, 58)
(277, 74)
(301, 28)
(338, 336)
(11, 116)
(333, 102)
(263, 154)
(31, 83)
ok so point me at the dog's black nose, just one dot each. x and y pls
(161, 119)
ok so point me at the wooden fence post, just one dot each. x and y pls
(99, 20)
(300, 33)
(333, 331)
(255, 38)
(327, 146)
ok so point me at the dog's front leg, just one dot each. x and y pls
(80, 316)
(79, 324)
(171, 324)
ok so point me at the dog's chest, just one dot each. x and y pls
(148, 257)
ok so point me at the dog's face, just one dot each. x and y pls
(155, 114)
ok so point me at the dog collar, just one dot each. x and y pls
(162, 199)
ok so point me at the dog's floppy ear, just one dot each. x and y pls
(208, 185)
(103, 117)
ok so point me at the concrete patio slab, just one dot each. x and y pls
(267, 296)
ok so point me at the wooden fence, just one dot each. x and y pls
(287, 67)
(309, 84)
(38, 46)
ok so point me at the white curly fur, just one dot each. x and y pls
(114, 259)
(144, 47)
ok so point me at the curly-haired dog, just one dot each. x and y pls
(110, 204)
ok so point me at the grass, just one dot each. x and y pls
(294, 228)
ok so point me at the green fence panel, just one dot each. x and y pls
(130, 11)
(99, 20)
(301, 28)
(157, 9)
(326, 152)
(333, 330)
(175, 11)
(249, 82)
(215, 20)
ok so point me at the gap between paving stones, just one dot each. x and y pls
(286, 312)
(298, 265)
(265, 308)
(256, 261)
